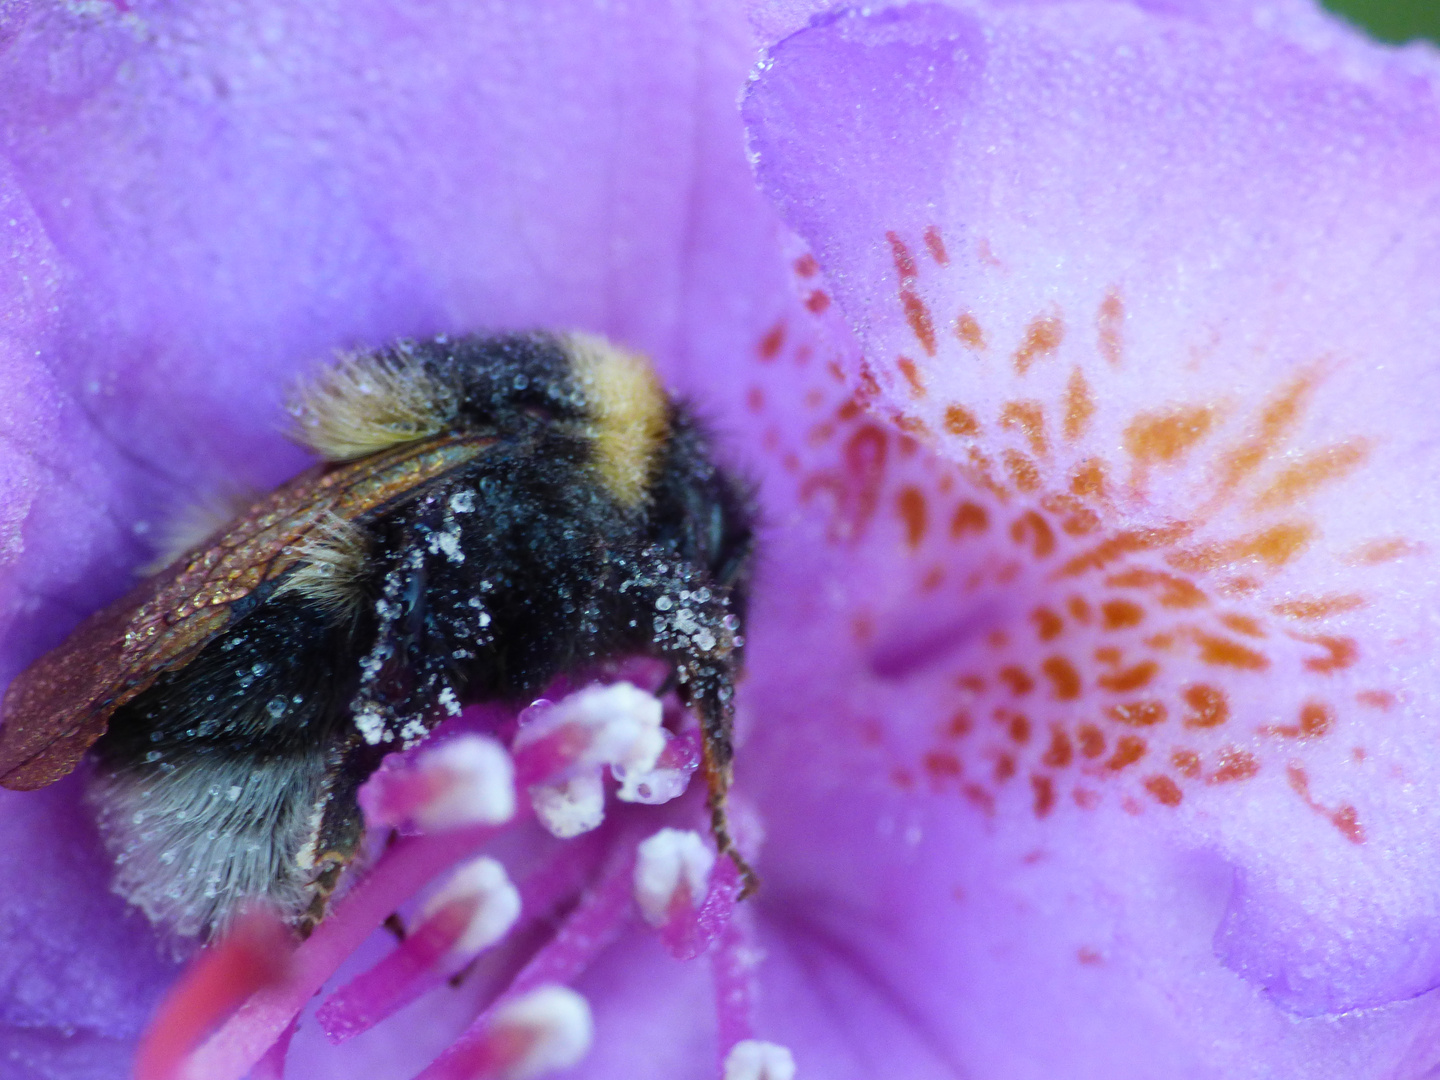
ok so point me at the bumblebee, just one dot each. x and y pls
(489, 513)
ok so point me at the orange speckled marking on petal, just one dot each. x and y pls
(960, 421)
(1098, 630)
(1275, 547)
(1044, 789)
(1079, 405)
(1326, 466)
(1165, 790)
(1226, 652)
(1128, 750)
(1129, 679)
(1110, 325)
(935, 244)
(968, 330)
(1060, 752)
(969, 517)
(915, 513)
(1065, 682)
(1166, 435)
(1318, 607)
(773, 341)
(1048, 625)
(1209, 707)
(818, 301)
(1340, 652)
(1033, 531)
(1278, 417)
(1027, 417)
(1138, 713)
(1235, 764)
(1042, 338)
(1383, 551)
(1117, 614)
(913, 378)
(1022, 471)
(1344, 817)
(1316, 719)
(1175, 592)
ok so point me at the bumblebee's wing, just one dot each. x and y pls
(61, 704)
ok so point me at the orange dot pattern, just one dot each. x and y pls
(1108, 661)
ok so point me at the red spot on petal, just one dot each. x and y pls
(915, 513)
(1128, 750)
(1165, 791)
(1235, 764)
(912, 376)
(1186, 762)
(806, 266)
(1048, 625)
(935, 244)
(1092, 741)
(918, 316)
(1059, 753)
(1109, 324)
(1044, 789)
(1344, 817)
(1377, 699)
(1316, 719)
(1340, 652)
(1208, 706)
(818, 301)
(772, 342)
(941, 765)
(967, 329)
(1042, 338)
(1017, 680)
(1064, 679)
(968, 518)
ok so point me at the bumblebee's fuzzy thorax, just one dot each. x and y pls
(489, 513)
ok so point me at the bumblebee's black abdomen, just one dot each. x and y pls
(275, 683)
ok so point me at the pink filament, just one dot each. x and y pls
(254, 956)
(407, 971)
(732, 967)
(689, 931)
(272, 1065)
(408, 865)
(599, 919)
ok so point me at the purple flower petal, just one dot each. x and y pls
(1162, 286)
(208, 199)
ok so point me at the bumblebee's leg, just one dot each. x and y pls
(691, 624)
(341, 828)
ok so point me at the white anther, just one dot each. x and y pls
(752, 1059)
(497, 904)
(551, 1028)
(652, 786)
(622, 723)
(570, 807)
(474, 784)
(670, 860)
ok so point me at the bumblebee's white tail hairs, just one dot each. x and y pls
(366, 402)
(213, 835)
